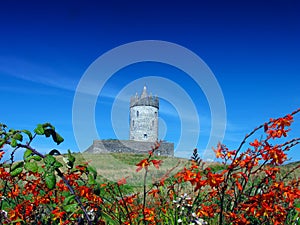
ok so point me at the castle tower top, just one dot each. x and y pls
(144, 99)
(144, 94)
(144, 117)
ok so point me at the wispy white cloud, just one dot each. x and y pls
(36, 72)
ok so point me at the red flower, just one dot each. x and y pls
(255, 144)
(121, 181)
(214, 179)
(142, 164)
(156, 163)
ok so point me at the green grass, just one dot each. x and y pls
(115, 166)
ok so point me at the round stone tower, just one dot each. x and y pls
(144, 117)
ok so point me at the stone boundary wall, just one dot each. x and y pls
(128, 146)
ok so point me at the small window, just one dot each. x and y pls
(152, 123)
(155, 113)
(145, 136)
(137, 113)
(132, 123)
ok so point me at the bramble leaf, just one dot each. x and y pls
(69, 199)
(71, 207)
(39, 130)
(57, 165)
(28, 133)
(91, 179)
(48, 132)
(13, 143)
(31, 166)
(16, 172)
(57, 138)
(27, 153)
(17, 165)
(18, 137)
(34, 157)
(70, 160)
(50, 180)
(49, 160)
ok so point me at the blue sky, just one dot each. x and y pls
(251, 47)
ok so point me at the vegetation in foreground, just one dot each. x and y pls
(252, 187)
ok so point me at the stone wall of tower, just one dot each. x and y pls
(144, 123)
(144, 117)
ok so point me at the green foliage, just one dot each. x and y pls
(61, 189)
(50, 180)
(48, 130)
(31, 166)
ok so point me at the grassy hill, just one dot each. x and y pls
(115, 166)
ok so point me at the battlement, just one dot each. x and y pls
(148, 101)
(144, 100)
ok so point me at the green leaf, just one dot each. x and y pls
(50, 180)
(18, 136)
(91, 179)
(71, 207)
(2, 142)
(41, 170)
(57, 138)
(16, 172)
(31, 166)
(69, 199)
(71, 158)
(13, 143)
(48, 125)
(17, 165)
(80, 183)
(28, 133)
(57, 165)
(39, 130)
(34, 157)
(49, 160)
(48, 132)
(27, 153)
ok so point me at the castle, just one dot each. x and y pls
(143, 130)
(144, 117)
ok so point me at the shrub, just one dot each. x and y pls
(250, 187)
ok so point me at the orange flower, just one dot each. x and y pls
(255, 144)
(14, 192)
(58, 214)
(219, 151)
(214, 179)
(149, 214)
(16, 213)
(121, 181)
(156, 163)
(154, 192)
(142, 164)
